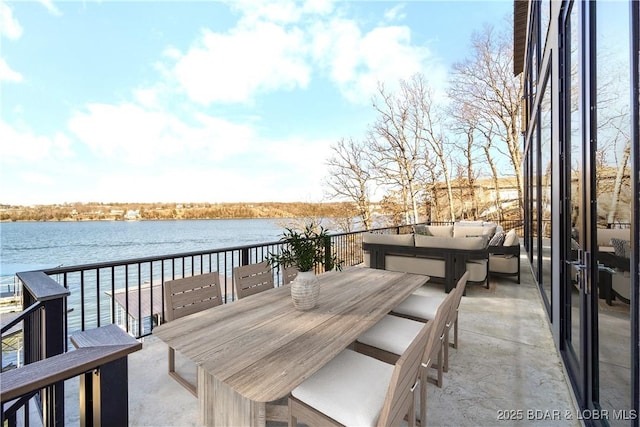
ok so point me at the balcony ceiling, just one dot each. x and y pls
(520, 14)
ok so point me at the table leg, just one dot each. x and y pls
(219, 405)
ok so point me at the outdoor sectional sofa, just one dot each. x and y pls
(443, 259)
(445, 252)
(614, 249)
(504, 255)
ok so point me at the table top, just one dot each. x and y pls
(262, 347)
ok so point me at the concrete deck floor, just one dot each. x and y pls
(506, 371)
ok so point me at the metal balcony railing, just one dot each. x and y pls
(129, 292)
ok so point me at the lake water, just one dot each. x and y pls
(28, 246)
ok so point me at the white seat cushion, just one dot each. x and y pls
(351, 389)
(393, 334)
(420, 306)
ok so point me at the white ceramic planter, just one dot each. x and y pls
(305, 290)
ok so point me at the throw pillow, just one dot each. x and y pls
(621, 248)
(574, 244)
(497, 239)
(421, 229)
(511, 238)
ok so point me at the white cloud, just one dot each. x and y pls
(9, 26)
(7, 74)
(139, 136)
(276, 45)
(24, 146)
(50, 7)
(279, 11)
(396, 13)
(234, 67)
(358, 60)
(146, 97)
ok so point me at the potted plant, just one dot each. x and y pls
(305, 250)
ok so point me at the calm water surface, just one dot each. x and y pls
(35, 245)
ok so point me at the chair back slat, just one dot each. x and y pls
(252, 279)
(439, 325)
(288, 274)
(189, 295)
(458, 291)
(399, 398)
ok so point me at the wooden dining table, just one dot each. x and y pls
(257, 349)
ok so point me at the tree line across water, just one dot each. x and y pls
(165, 211)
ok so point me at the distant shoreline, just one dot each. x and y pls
(172, 211)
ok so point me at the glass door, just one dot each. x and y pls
(598, 196)
(613, 194)
(575, 245)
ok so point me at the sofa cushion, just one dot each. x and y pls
(472, 231)
(503, 264)
(388, 239)
(621, 283)
(415, 265)
(468, 243)
(605, 235)
(511, 238)
(470, 223)
(477, 270)
(435, 230)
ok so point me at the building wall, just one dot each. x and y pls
(579, 64)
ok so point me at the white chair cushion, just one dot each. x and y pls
(351, 389)
(421, 306)
(393, 334)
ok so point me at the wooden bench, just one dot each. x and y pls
(100, 359)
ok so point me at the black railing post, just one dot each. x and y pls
(45, 335)
(244, 258)
(54, 339)
(328, 263)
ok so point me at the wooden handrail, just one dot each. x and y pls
(41, 286)
(96, 349)
(45, 372)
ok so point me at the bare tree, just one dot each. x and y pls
(400, 138)
(484, 84)
(465, 123)
(350, 177)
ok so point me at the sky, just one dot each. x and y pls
(206, 101)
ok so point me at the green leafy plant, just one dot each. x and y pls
(304, 250)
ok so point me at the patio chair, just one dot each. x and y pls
(390, 337)
(422, 308)
(354, 389)
(288, 274)
(252, 279)
(186, 296)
